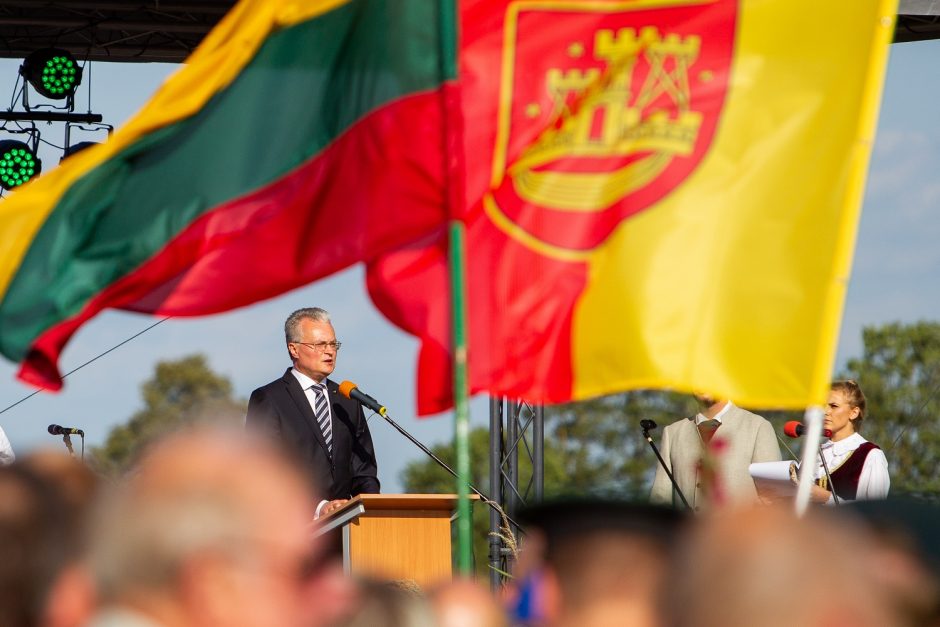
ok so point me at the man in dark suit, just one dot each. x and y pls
(305, 411)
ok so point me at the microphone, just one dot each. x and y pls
(648, 425)
(351, 390)
(795, 429)
(58, 430)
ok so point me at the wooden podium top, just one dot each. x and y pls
(407, 501)
(390, 502)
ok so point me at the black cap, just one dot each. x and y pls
(570, 517)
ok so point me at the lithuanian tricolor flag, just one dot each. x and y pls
(656, 193)
(301, 137)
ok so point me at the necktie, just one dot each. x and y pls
(707, 430)
(322, 412)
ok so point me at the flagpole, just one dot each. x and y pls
(454, 171)
(813, 419)
(461, 399)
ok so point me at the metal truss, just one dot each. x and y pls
(517, 477)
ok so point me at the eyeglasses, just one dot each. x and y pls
(321, 346)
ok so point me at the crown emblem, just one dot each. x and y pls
(609, 123)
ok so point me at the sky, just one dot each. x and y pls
(896, 277)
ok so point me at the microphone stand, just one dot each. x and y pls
(835, 497)
(443, 465)
(646, 425)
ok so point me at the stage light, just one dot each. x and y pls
(18, 164)
(71, 150)
(52, 72)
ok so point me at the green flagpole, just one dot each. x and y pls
(461, 399)
(454, 167)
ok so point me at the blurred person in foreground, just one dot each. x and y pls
(909, 551)
(7, 456)
(690, 448)
(763, 566)
(44, 501)
(466, 603)
(858, 468)
(388, 603)
(594, 563)
(213, 528)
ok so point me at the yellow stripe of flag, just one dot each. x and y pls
(757, 242)
(212, 67)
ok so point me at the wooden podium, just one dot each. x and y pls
(396, 536)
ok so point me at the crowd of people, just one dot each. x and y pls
(215, 527)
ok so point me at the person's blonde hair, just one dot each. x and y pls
(855, 397)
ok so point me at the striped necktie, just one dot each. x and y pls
(322, 412)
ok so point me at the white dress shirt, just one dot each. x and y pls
(6, 450)
(700, 417)
(874, 481)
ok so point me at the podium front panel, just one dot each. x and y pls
(410, 545)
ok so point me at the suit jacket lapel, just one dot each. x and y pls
(690, 437)
(731, 421)
(297, 395)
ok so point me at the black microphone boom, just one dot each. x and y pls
(358, 395)
(647, 426)
(350, 390)
(59, 430)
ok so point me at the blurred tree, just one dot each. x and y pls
(181, 392)
(597, 446)
(899, 371)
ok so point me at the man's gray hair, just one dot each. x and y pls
(185, 500)
(292, 324)
(142, 543)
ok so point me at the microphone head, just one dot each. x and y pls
(791, 429)
(54, 429)
(648, 425)
(346, 388)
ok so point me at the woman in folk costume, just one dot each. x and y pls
(858, 468)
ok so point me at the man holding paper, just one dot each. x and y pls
(733, 438)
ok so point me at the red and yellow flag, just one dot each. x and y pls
(660, 193)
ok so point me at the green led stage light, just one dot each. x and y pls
(52, 72)
(18, 164)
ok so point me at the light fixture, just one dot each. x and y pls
(52, 72)
(18, 164)
(71, 150)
